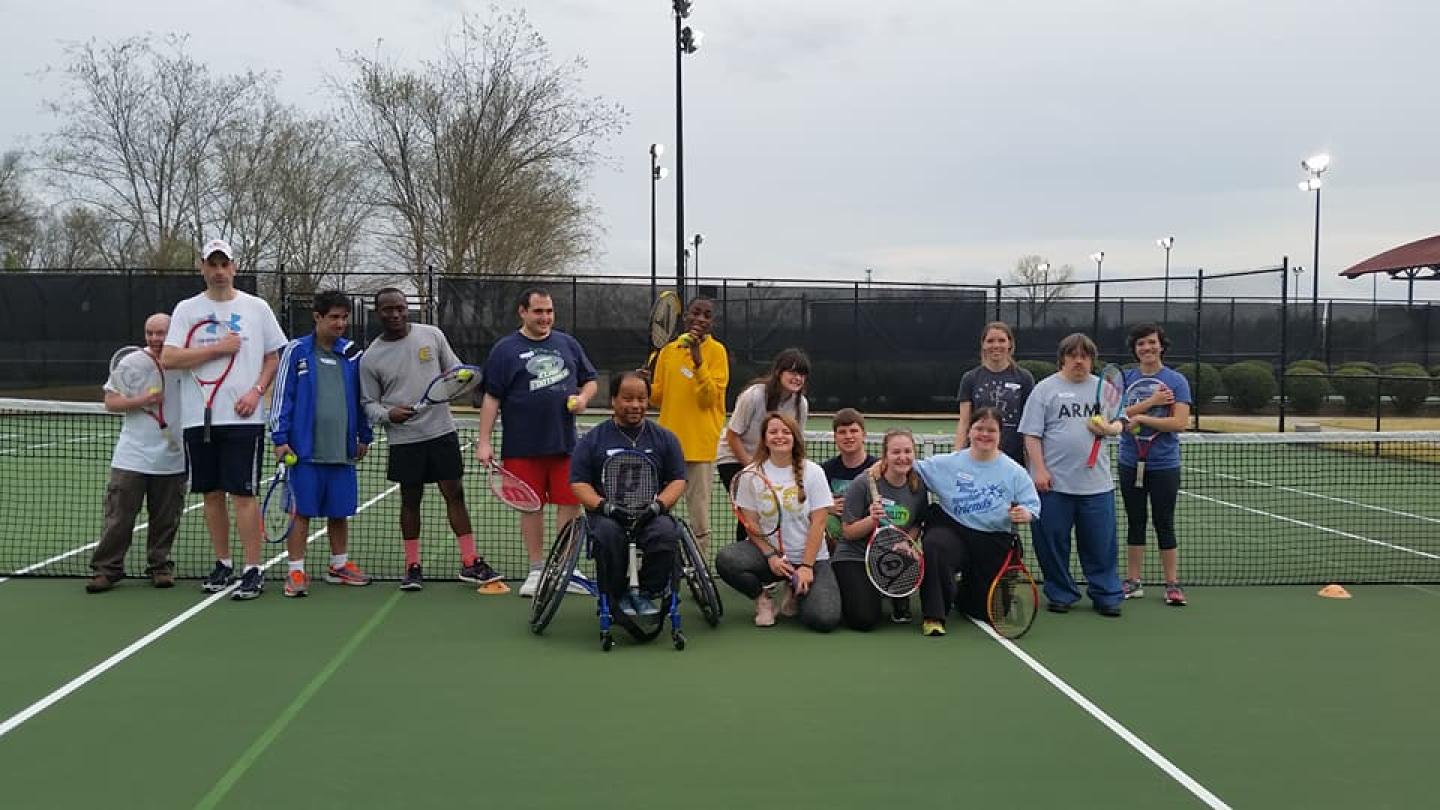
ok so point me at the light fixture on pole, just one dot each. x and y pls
(699, 237)
(1167, 243)
(1099, 258)
(1316, 166)
(687, 41)
(657, 173)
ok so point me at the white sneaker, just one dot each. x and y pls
(789, 602)
(764, 610)
(532, 581)
(575, 587)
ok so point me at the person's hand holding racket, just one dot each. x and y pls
(1110, 404)
(1158, 402)
(210, 374)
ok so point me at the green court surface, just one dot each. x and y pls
(1255, 697)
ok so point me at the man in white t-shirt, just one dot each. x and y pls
(148, 466)
(228, 342)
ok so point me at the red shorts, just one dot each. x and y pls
(549, 476)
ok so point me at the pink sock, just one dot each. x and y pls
(412, 552)
(467, 549)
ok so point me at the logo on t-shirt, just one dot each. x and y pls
(426, 354)
(546, 369)
(233, 323)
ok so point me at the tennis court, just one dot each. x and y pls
(1251, 697)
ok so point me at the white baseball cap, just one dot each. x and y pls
(217, 246)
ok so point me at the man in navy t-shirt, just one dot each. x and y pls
(540, 378)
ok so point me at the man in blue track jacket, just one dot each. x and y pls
(318, 426)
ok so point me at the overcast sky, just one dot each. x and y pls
(929, 141)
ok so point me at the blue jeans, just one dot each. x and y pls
(1093, 519)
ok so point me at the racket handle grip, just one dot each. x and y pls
(1094, 453)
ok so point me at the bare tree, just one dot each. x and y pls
(482, 153)
(18, 220)
(140, 124)
(321, 205)
(1040, 283)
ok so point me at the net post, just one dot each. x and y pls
(999, 293)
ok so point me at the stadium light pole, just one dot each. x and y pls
(1099, 258)
(1166, 243)
(699, 237)
(1316, 166)
(657, 173)
(687, 41)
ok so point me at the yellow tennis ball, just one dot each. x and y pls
(291, 458)
(464, 374)
(1097, 420)
(573, 402)
(152, 390)
(686, 340)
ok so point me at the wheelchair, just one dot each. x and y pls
(559, 572)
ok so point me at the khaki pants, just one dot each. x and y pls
(699, 475)
(164, 496)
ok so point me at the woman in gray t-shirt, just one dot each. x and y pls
(996, 383)
(903, 498)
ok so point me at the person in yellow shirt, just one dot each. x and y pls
(690, 377)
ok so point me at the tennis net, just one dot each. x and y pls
(1254, 508)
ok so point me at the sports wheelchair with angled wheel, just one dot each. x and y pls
(560, 571)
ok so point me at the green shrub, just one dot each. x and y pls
(1039, 369)
(1314, 365)
(1365, 364)
(1204, 390)
(1250, 385)
(1306, 390)
(1356, 384)
(1408, 394)
(1435, 381)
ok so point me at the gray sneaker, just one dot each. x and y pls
(1132, 588)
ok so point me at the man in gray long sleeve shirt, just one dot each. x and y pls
(424, 446)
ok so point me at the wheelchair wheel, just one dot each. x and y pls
(555, 576)
(697, 576)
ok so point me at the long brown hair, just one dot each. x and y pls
(787, 360)
(912, 478)
(797, 450)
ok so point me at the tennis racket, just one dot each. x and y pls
(137, 372)
(1013, 599)
(631, 481)
(1109, 403)
(209, 375)
(1138, 392)
(664, 318)
(511, 490)
(757, 505)
(449, 386)
(278, 510)
(892, 560)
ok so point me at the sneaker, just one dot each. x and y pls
(642, 604)
(1174, 595)
(789, 602)
(347, 574)
(252, 582)
(1132, 588)
(900, 611)
(626, 603)
(297, 583)
(219, 579)
(412, 581)
(574, 587)
(764, 610)
(932, 627)
(480, 573)
(1057, 607)
(1109, 611)
(531, 583)
(162, 579)
(99, 583)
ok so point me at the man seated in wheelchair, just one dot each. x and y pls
(628, 472)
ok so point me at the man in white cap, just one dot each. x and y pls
(227, 341)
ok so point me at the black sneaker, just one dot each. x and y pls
(480, 573)
(219, 579)
(1108, 611)
(900, 611)
(252, 582)
(412, 581)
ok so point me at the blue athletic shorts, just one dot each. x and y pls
(324, 490)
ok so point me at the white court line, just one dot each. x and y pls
(88, 546)
(1308, 525)
(1309, 494)
(144, 641)
(1156, 758)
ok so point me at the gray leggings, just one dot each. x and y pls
(745, 569)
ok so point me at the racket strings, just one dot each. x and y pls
(630, 481)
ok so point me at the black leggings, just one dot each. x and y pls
(1162, 488)
(859, 600)
(727, 473)
(949, 549)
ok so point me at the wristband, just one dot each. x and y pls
(260, 391)
(805, 565)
